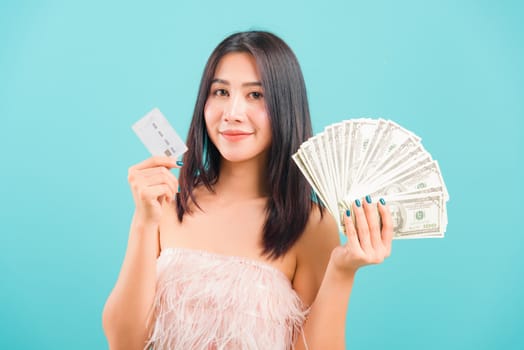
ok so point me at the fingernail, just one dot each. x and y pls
(178, 188)
(348, 213)
(357, 202)
(368, 199)
(179, 163)
(382, 201)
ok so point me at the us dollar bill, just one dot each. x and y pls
(417, 215)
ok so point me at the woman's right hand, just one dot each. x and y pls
(152, 183)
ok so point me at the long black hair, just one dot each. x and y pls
(290, 203)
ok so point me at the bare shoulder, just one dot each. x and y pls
(313, 252)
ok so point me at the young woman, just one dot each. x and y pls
(241, 257)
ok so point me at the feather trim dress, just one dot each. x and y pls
(208, 301)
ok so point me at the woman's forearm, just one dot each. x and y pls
(325, 326)
(127, 307)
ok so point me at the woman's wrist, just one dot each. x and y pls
(143, 232)
(142, 223)
(342, 276)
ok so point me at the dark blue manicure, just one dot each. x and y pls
(357, 202)
(368, 199)
(179, 163)
(348, 213)
(382, 201)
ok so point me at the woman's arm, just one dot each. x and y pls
(125, 316)
(125, 313)
(369, 242)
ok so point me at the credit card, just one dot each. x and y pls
(158, 135)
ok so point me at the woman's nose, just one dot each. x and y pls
(235, 108)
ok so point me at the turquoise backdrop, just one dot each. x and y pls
(74, 76)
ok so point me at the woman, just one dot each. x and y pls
(242, 257)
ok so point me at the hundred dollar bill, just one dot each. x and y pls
(328, 176)
(309, 157)
(372, 143)
(396, 147)
(308, 174)
(333, 143)
(402, 172)
(361, 132)
(422, 175)
(416, 215)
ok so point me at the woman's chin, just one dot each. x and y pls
(239, 157)
(235, 158)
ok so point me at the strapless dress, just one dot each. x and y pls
(209, 301)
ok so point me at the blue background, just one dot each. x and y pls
(74, 76)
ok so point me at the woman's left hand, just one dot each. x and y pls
(368, 234)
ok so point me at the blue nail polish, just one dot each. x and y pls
(179, 188)
(382, 201)
(368, 199)
(357, 202)
(179, 163)
(348, 213)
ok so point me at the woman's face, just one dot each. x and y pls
(235, 112)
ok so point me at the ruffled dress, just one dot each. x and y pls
(208, 301)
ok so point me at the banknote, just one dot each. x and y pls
(416, 215)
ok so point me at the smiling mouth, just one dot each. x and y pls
(234, 135)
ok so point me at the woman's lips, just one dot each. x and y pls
(234, 136)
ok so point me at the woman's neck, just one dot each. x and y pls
(242, 180)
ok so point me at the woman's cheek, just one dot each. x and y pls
(212, 110)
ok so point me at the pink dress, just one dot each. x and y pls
(210, 301)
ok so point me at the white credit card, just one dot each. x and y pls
(158, 135)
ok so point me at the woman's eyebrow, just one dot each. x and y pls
(225, 82)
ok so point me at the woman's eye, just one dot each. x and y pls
(256, 95)
(220, 92)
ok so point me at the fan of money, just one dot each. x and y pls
(377, 157)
